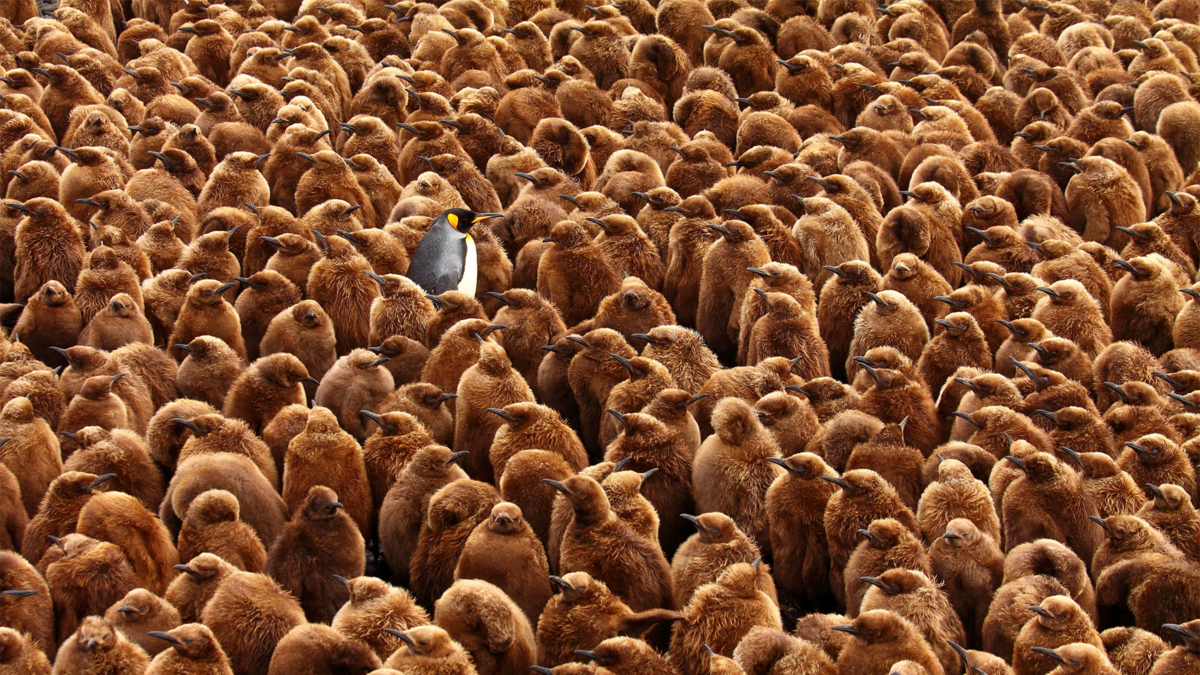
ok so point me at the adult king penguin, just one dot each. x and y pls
(445, 259)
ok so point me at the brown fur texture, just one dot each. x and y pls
(635, 570)
(246, 600)
(304, 467)
(213, 525)
(488, 625)
(720, 614)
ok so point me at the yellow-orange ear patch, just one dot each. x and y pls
(453, 218)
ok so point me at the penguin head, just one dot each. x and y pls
(463, 219)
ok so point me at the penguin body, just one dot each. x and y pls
(445, 259)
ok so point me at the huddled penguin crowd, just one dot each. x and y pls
(650, 337)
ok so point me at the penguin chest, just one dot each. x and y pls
(470, 269)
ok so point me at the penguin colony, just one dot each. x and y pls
(750, 337)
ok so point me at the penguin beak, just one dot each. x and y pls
(485, 216)
(502, 415)
(1020, 464)
(164, 636)
(100, 480)
(619, 416)
(1045, 651)
(557, 485)
(400, 634)
(847, 628)
(1100, 521)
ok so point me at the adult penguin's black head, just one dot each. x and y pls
(463, 219)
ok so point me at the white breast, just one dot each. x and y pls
(470, 270)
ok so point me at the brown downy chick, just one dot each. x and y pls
(574, 274)
(1127, 538)
(428, 404)
(21, 654)
(881, 639)
(119, 323)
(717, 544)
(490, 381)
(737, 455)
(918, 598)
(919, 282)
(26, 606)
(373, 608)
(86, 576)
(886, 453)
(404, 507)
(584, 614)
(356, 382)
(632, 568)
(956, 494)
(270, 384)
(528, 426)
(305, 466)
(1112, 489)
(123, 520)
(103, 276)
(864, 497)
(1059, 621)
(1045, 503)
(649, 447)
(720, 614)
(122, 452)
(499, 546)
(888, 319)
(337, 282)
(790, 419)
(1155, 460)
(96, 647)
(959, 343)
(1170, 511)
(189, 648)
(1148, 284)
(213, 525)
(209, 370)
(139, 613)
(244, 594)
(429, 650)
(451, 307)
(50, 319)
(210, 253)
(971, 566)
(306, 332)
(887, 545)
(95, 405)
(319, 542)
(895, 397)
(402, 309)
(453, 513)
(796, 504)
(206, 312)
(1070, 312)
(722, 296)
(30, 454)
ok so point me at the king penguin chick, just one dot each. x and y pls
(634, 569)
(736, 456)
(489, 625)
(881, 639)
(356, 382)
(720, 614)
(98, 647)
(319, 542)
(504, 551)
